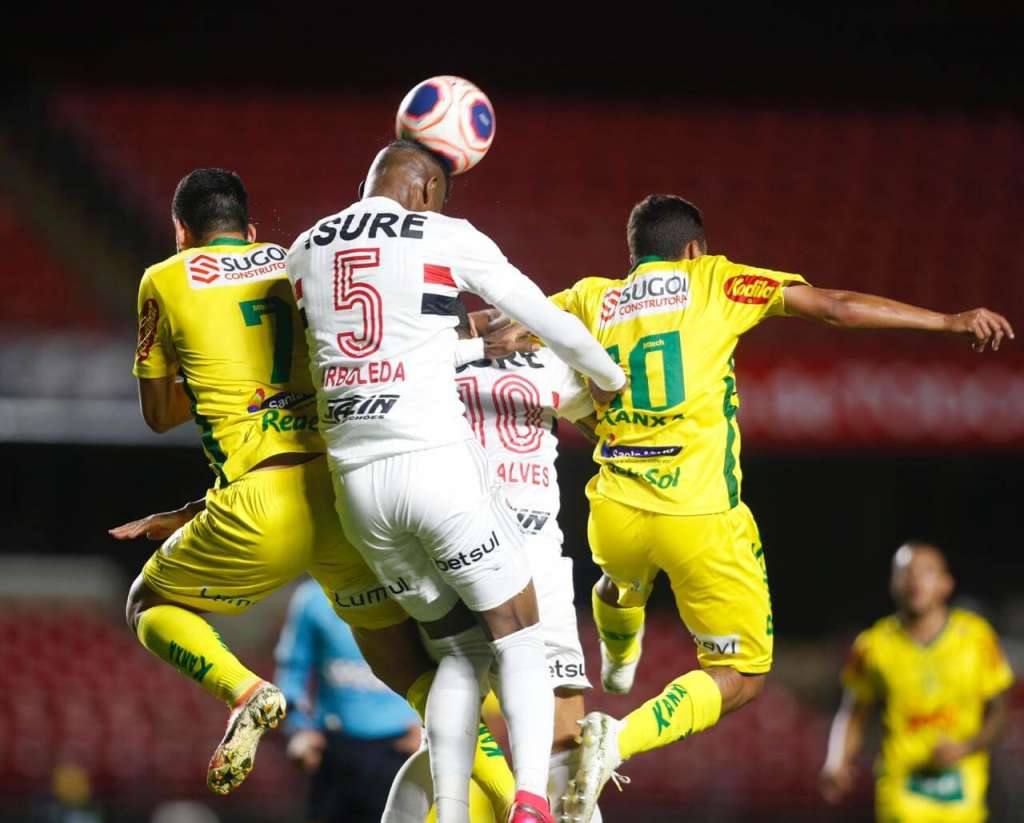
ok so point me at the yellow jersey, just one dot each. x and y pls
(223, 317)
(670, 443)
(930, 694)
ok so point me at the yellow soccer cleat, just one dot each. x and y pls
(261, 708)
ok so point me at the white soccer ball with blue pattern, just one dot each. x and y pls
(451, 117)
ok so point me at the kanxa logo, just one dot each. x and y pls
(204, 268)
(360, 407)
(464, 559)
(188, 663)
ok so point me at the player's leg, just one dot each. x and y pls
(224, 560)
(618, 598)
(715, 564)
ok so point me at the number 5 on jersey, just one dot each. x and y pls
(351, 295)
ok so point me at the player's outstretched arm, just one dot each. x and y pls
(158, 526)
(853, 310)
(164, 402)
(844, 741)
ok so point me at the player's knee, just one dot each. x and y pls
(139, 599)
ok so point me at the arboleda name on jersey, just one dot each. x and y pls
(662, 290)
(213, 269)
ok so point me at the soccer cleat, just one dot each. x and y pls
(262, 707)
(617, 678)
(530, 808)
(599, 757)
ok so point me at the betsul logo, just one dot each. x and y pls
(750, 288)
(204, 268)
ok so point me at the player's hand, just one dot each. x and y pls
(306, 748)
(158, 526)
(947, 753)
(984, 327)
(506, 339)
(487, 320)
(409, 743)
(602, 397)
(836, 783)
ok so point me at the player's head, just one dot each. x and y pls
(410, 173)
(209, 202)
(921, 581)
(665, 226)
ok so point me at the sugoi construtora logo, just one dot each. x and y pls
(750, 288)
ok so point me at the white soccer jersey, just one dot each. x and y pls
(511, 404)
(377, 286)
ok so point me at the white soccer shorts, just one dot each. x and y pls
(433, 529)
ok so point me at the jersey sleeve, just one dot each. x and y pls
(479, 266)
(859, 675)
(995, 674)
(573, 398)
(154, 354)
(748, 294)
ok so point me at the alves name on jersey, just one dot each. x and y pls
(670, 443)
(223, 317)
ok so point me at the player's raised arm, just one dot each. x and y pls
(853, 310)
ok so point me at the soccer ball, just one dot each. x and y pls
(451, 117)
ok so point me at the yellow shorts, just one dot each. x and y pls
(715, 564)
(261, 532)
(957, 796)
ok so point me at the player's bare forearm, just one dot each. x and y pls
(854, 310)
(995, 722)
(844, 742)
(164, 402)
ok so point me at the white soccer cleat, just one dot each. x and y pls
(261, 708)
(599, 758)
(617, 678)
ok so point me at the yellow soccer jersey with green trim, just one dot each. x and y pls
(930, 693)
(670, 443)
(223, 317)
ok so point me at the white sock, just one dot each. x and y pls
(453, 716)
(528, 704)
(412, 790)
(563, 766)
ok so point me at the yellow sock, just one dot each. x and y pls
(490, 769)
(194, 648)
(689, 704)
(619, 629)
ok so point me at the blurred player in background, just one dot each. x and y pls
(667, 495)
(512, 404)
(347, 729)
(220, 315)
(378, 284)
(939, 676)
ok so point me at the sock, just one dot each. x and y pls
(490, 768)
(528, 703)
(453, 718)
(618, 629)
(689, 704)
(193, 647)
(412, 790)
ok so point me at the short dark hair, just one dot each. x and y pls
(440, 160)
(662, 225)
(211, 200)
